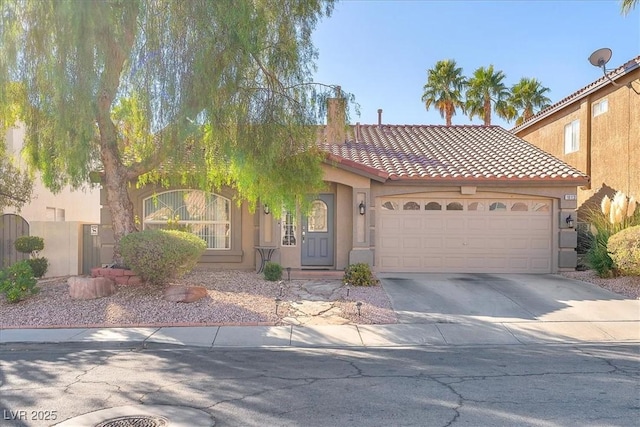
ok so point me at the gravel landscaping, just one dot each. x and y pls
(628, 286)
(234, 297)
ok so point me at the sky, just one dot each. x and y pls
(380, 51)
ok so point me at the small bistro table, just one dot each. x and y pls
(265, 253)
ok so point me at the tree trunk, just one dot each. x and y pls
(118, 201)
(116, 180)
(487, 111)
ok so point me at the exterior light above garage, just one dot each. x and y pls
(362, 208)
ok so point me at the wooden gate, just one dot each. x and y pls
(11, 227)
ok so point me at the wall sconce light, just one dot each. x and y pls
(599, 59)
(362, 208)
(266, 210)
(569, 221)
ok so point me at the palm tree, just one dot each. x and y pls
(443, 89)
(527, 98)
(627, 5)
(485, 92)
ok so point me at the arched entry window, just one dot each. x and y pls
(206, 215)
(318, 217)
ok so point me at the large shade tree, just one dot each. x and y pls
(528, 96)
(16, 183)
(197, 93)
(486, 92)
(444, 89)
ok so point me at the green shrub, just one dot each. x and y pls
(272, 271)
(29, 244)
(359, 275)
(624, 249)
(39, 266)
(160, 255)
(17, 282)
(585, 238)
(598, 256)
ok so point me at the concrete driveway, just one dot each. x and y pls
(464, 298)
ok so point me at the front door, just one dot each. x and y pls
(317, 233)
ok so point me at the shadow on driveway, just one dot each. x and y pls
(456, 298)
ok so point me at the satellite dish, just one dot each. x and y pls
(600, 57)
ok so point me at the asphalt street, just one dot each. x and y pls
(525, 385)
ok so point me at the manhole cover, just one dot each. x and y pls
(135, 421)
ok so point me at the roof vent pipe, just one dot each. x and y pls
(379, 116)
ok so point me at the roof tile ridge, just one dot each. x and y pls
(615, 72)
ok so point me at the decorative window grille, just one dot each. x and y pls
(318, 217)
(206, 215)
(519, 207)
(433, 206)
(476, 206)
(289, 229)
(497, 206)
(541, 207)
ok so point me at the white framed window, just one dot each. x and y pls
(600, 107)
(289, 228)
(572, 137)
(207, 215)
(54, 214)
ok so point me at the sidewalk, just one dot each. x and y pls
(331, 336)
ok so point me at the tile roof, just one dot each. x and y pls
(473, 154)
(581, 93)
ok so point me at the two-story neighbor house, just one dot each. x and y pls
(596, 130)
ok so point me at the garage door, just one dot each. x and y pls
(492, 235)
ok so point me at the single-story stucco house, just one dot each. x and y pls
(401, 198)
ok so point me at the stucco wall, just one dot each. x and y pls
(79, 205)
(62, 246)
(611, 141)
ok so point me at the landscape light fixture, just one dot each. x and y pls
(288, 274)
(362, 208)
(358, 305)
(599, 59)
(569, 221)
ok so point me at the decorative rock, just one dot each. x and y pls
(90, 287)
(176, 293)
(122, 276)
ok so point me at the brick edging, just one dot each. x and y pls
(121, 276)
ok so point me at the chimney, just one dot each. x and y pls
(379, 116)
(336, 118)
